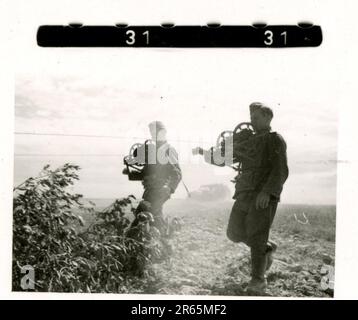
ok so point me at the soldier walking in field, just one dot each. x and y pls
(160, 175)
(258, 187)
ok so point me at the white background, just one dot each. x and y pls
(19, 23)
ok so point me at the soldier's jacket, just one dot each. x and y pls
(267, 169)
(165, 172)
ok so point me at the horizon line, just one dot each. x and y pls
(284, 203)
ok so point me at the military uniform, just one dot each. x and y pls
(159, 180)
(265, 171)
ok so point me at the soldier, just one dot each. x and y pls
(257, 193)
(160, 177)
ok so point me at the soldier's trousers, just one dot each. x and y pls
(252, 227)
(153, 201)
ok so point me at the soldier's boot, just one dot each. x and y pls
(271, 249)
(258, 283)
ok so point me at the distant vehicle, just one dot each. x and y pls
(211, 192)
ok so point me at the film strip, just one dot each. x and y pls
(212, 35)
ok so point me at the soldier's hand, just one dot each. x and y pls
(197, 150)
(262, 200)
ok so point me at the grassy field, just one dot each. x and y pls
(316, 221)
(205, 262)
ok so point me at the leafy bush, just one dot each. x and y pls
(66, 255)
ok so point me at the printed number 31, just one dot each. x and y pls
(131, 37)
(269, 37)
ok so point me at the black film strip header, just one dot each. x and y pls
(170, 36)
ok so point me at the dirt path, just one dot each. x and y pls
(205, 262)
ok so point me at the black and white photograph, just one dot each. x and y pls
(199, 172)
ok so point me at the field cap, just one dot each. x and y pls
(262, 107)
(256, 105)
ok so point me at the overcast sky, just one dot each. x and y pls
(196, 93)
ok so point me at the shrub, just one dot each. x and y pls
(66, 255)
